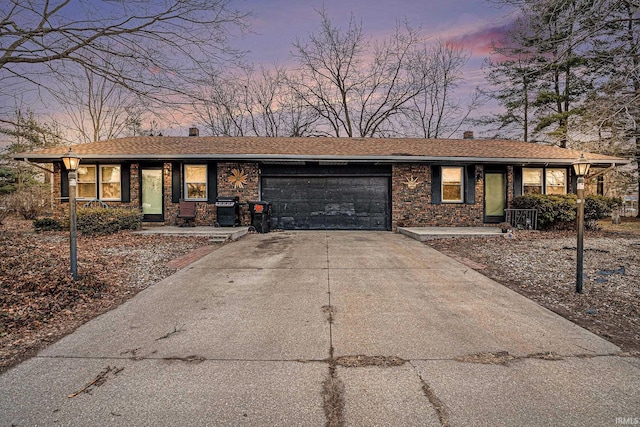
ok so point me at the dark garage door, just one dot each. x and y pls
(329, 202)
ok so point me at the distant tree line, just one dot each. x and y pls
(344, 83)
(568, 74)
(121, 70)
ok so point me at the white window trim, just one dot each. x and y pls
(442, 199)
(544, 184)
(547, 185)
(95, 182)
(99, 183)
(542, 188)
(186, 183)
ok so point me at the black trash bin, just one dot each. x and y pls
(260, 216)
(228, 211)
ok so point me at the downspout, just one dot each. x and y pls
(603, 171)
(38, 166)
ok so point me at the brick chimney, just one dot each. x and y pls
(194, 131)
(468, 134)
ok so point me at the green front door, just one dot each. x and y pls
(495, 196)
(151, 189)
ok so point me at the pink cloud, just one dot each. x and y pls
(480, 41)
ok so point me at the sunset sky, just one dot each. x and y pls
(274, 25)
(472, 23)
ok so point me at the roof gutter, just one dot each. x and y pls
(334, 158)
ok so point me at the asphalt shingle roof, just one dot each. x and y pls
(320, 148)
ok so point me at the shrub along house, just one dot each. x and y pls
(319, 183)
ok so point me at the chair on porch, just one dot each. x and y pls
(187, 213)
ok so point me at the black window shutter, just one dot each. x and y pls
(517, 181)
(125, 183)
(470, 185)
(64, 184)
(176, 184)
(436, 185)
(212, 182)
(600, 186)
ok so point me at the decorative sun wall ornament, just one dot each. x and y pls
(412, 183)
(238, 178)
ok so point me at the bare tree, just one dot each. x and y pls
(273, 108)
(259, 96)
(296, 115)
(96, 108)
(329, 70)
(220, 107)
(150, 48)
(613, 109)
(254, 103)
(355, 85)
(433, 113)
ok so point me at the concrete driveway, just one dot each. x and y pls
(298, 329)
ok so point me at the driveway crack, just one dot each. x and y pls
(437, 404)
(333, 397)
(329, 308)
(332, 386)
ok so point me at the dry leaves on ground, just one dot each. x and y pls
(542, 266)
(39, 300)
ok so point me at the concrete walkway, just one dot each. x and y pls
(217, 234)
(293, 329)
(427, 233)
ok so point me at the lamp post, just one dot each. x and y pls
(71, 161)
(581, 167)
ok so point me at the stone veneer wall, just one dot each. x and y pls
(134, 185)
(413, 207)
(206, 212)
(249, 192)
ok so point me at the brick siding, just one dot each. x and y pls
(410, 207)
(250, 190)
(61, 206)
(414, 207)
(509, 185)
